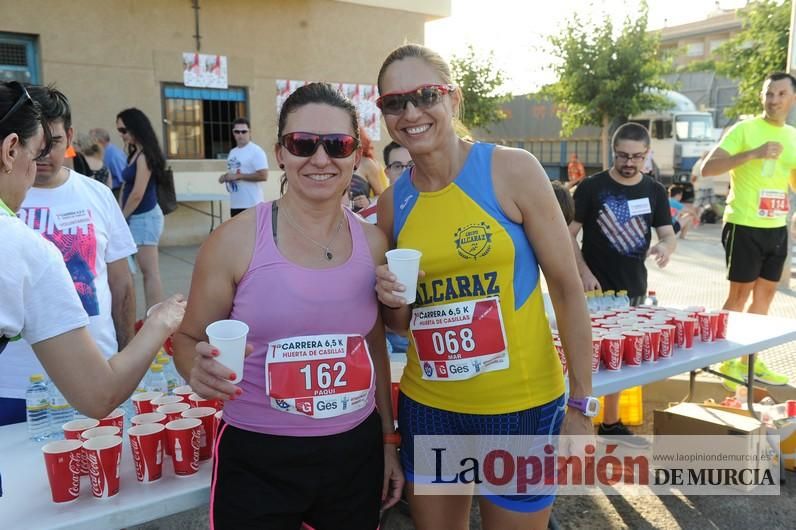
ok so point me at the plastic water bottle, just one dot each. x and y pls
(591, 302)
(651, 299)
(60, 411)
(37, 405)
(170, 371)
(609, 300)
(156, 380)
(623, 300)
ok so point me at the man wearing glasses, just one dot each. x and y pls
(247, 166)
(760, 155)
(396, 160)
(617, 209)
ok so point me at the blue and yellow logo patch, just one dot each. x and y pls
(474, 240)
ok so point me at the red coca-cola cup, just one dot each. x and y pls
(703, 321)
(668, 339)
(714, 325)
(632, 348)
(596, 352)
(689, 327)
(149, 417)
(146, 444)
(73, 431)
(142, 401)
(790, 408)
(561, 356)
(63, 461)
(114, 419)
(208, 433)
(184, 392)
(184, 438)
(105, 430)
(173, 411)
(612, 352)
(721, 326)
(652, 344)
(198, 401)
(165, 400)
(679, 331)
(104, 454)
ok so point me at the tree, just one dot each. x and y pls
(479, 81)
(759, 49)
(604, 77)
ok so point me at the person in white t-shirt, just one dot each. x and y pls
(247, 166)
(39, 301)
(82, 219)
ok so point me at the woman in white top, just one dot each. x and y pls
(40, 303)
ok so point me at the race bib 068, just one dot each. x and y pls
(460, 340)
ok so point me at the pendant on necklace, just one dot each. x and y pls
(328, 255)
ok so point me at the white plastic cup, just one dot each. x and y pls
(229, 338)
(405, 264)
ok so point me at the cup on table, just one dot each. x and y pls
(207, 434)
(63, 460)
(96, 432)
(149, 417)
(165, 400)
(703, 321)
(197, 401)
(184, 392)
(632, 348)
(142, 401)
(596, 352)
(146, 443)
(723, 319)
(229, 338)
(612, 352)
(184, 438)
(73, 430)
(405, 264)
(689, 331)
(115, 419)
(652, 344)
(666, 348)
(173, 411)
(714, 325)
(104, 454)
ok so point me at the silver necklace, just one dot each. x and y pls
(327, 251)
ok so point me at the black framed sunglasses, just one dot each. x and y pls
(122, 130)
(422, 97)
(24, 97)
(399, 166)
(305, 144)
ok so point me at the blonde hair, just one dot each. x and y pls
(89, 145)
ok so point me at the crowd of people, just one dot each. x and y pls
(486, 220)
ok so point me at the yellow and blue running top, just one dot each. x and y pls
(475, 259)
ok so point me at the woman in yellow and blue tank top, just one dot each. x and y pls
(481, 359)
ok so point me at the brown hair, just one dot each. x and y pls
(565, 201)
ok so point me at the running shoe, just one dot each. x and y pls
(767, 376)
(618, 433)
(734, 369)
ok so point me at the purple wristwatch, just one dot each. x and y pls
(589, 406)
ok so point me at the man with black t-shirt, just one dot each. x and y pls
(617, 209)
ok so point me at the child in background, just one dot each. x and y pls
(682, 220)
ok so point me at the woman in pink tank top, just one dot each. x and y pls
(307, 433)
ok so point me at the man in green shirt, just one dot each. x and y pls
(760, 155)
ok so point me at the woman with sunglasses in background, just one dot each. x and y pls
(301, 438)
(145, 165)
(485, 218)
(39, 301)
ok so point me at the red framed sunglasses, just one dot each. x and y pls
(305, 144)
(422, 97)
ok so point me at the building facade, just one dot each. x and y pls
(108, 56)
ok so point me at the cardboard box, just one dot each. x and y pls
(741, 433)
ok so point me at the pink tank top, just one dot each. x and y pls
(279, 299)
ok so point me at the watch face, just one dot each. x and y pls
(592, 406)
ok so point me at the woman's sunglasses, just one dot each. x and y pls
(24, 97)
(122, 130)
(305, 144)
(422, 97)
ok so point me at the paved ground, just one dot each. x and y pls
(694, 276)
